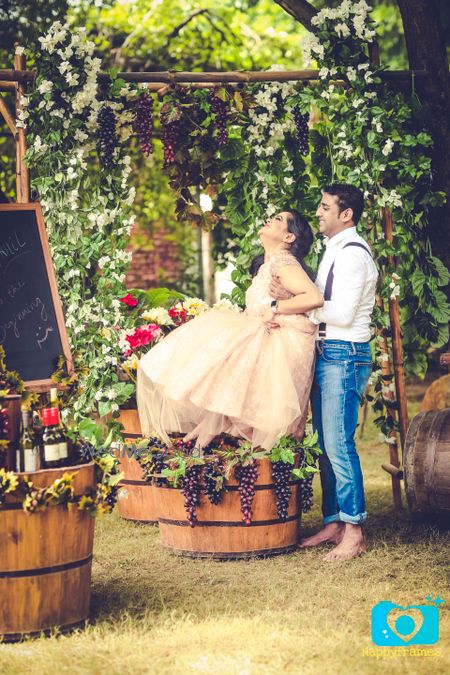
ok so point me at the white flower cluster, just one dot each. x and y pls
(195, 306)
(390, 440)
(266, 132)
(389, 198)
(158, 315)
(394, 286)
(347, 16)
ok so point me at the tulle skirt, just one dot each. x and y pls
(227, 373)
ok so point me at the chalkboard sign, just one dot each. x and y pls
(32, 326)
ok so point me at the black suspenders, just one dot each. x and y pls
(329, 285)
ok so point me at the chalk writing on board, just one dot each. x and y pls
(12, 324)
(32, 329)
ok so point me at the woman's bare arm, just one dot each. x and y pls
(306, 295)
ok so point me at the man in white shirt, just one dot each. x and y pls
(347, 277)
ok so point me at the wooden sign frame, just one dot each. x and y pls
(44, 384)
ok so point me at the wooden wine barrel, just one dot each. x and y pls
(137, 497)
(426, 462)
(220, 531)
(45, 561)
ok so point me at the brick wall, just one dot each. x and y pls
(159, 266)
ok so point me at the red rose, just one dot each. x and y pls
(129, 300)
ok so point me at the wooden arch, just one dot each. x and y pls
(16, 80)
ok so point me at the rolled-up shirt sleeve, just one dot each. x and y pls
(350, 275)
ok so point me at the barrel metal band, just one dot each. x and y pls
(232, 488)
(228, 523)
(39, 571)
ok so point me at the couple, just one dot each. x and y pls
(251, 374)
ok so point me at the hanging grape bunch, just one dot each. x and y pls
(107, 136)
(213, 481)
(170, 117)
(4, 423)
(153, 462)
(221, 111)
(86, 451)
(143, 122)
(191, 490)
(107, 495)
(34, 499)
(306, 494)
(247, 475)
(301, 123)
(281, 473)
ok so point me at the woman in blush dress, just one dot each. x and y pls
(247, 373)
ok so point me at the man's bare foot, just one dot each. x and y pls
(350, 546)
(331, 533)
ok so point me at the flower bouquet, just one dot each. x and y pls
(152, 315)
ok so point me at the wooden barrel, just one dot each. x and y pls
(220, 531)
(137, 497)
(426, 462)
(45, 561)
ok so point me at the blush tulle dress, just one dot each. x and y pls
(225, 371)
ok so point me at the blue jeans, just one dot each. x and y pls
(342, 371)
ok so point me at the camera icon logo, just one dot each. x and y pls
(396, 626)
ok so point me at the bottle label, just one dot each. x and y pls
(18, 467)
(63, 451)
(51, 452)
(32, 459)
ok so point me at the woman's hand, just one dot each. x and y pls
(277, 290)
(269, 319)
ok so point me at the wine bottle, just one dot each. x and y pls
(60, 431)
(50, 439)
(29, 447)
(62, 439)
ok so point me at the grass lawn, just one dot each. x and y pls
(153, 612)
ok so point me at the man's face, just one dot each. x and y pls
(331, 219)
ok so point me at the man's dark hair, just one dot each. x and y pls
(349, 197)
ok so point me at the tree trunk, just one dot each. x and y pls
(425, 42)
(301, 10)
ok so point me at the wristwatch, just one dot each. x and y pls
(274, 306)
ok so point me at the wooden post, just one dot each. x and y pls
(387, 375)
(22, 175)
(397, 347)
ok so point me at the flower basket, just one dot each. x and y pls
(45, 568)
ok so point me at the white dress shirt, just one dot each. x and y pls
(348, 313)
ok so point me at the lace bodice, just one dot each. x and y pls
(257, 298)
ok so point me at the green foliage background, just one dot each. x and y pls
(181, 35)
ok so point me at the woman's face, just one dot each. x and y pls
(275, 229)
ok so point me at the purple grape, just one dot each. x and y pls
(281, 473)
(247, 475)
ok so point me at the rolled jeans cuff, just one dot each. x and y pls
(345, 518)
